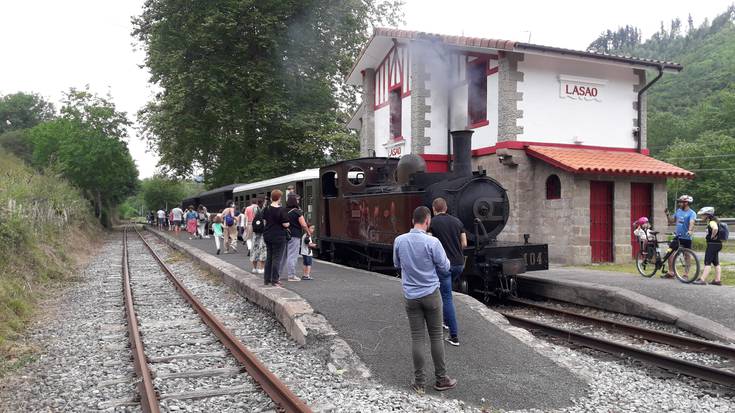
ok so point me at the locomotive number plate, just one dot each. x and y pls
(536, 257)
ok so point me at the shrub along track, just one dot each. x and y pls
(157, 310)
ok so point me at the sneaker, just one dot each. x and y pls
(278, 284)
(306, 278)
(294, 279)
(218, 252)
(699, 282)
(445, 383)
(444, 326)
(716, 283)
(454, 340)
(418, 388)
(266, 283)
(226, 252)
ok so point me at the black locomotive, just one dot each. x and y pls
(365, 203)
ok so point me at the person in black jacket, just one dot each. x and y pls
(275, 236)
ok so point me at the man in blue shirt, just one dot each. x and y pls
(684, 217)
(419, 256)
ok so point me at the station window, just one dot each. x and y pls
(476, 92)
(553, 187)
(396, 111)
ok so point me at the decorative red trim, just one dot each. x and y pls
(478, 124)
(406, 94)
(434, 157)
(382, 105)
(397, 139)
(394, 87)
(491, 71)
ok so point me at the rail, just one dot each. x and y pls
(269, 382)
(619, 349)
(642, 332)
(148, 395)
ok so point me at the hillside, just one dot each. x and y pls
(45, 225)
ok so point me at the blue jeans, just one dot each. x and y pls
(445, 286)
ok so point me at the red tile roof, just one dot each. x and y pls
(598, 161)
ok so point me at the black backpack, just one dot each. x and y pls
(259, 221)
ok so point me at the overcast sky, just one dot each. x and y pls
(49, 46)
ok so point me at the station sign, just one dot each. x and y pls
(581, 88)
(395, 148)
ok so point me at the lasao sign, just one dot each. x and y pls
(581, 88)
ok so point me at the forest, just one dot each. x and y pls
(691, 115)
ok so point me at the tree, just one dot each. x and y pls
(23, 110)
(253, 89)
(708, 158)
(18, 142)
(160, 192)
(87, 146)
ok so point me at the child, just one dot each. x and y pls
(307, 244)
(219, 232)
(643, 233)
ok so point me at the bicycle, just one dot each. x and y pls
(649, 261)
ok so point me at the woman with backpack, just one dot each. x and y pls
(716, 233)
(297, 227)
(276, 236)
(256, 226)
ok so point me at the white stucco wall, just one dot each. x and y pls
(547, 117)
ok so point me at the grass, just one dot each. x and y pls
(728, 270)
(44, 222)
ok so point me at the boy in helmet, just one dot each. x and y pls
(714, 245)
(684, 218)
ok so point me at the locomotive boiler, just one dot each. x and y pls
(366, 203)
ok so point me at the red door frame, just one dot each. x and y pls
(601, 220)
(641, 205)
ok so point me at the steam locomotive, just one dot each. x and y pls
(366, 203)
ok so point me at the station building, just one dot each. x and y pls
(564, 131)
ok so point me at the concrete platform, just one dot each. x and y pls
(708, 311)
(367, 311)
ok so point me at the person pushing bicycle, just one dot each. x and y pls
(684, 217)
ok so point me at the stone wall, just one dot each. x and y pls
(367, 130)
(420, 93)
(564, 223)
(509, 96)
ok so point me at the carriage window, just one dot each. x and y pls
(356, 176)
(553, 187)
(330, 185)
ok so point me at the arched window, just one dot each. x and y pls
(553, 187)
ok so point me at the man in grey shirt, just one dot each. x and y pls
(419, 256)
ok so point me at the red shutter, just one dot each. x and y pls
(641, 205)
(601, 221)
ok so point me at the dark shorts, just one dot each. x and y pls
(712, 253)
(161, 221)
(685, 243)
(308, 260)
(177, 222)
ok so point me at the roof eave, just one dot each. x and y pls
(665, 66)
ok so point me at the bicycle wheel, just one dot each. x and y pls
(645, 264)
(686, 265)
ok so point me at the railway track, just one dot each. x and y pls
(670, 363)
(182, 352)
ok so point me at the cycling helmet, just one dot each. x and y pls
(686, 198)
(640, 221)
(708, 210)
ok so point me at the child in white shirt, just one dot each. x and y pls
(307, 245)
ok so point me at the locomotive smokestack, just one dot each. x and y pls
(462, 148)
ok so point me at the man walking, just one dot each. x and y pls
(450, 232)
(161, 215)
(178, 215)
(419, 256)
(230, 227)
(684, 217)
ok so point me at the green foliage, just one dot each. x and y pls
(18, 142)
(253, 89)
(39, 216)
(86, 145)
(715, 179)
(160, 192)
(22, 111)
